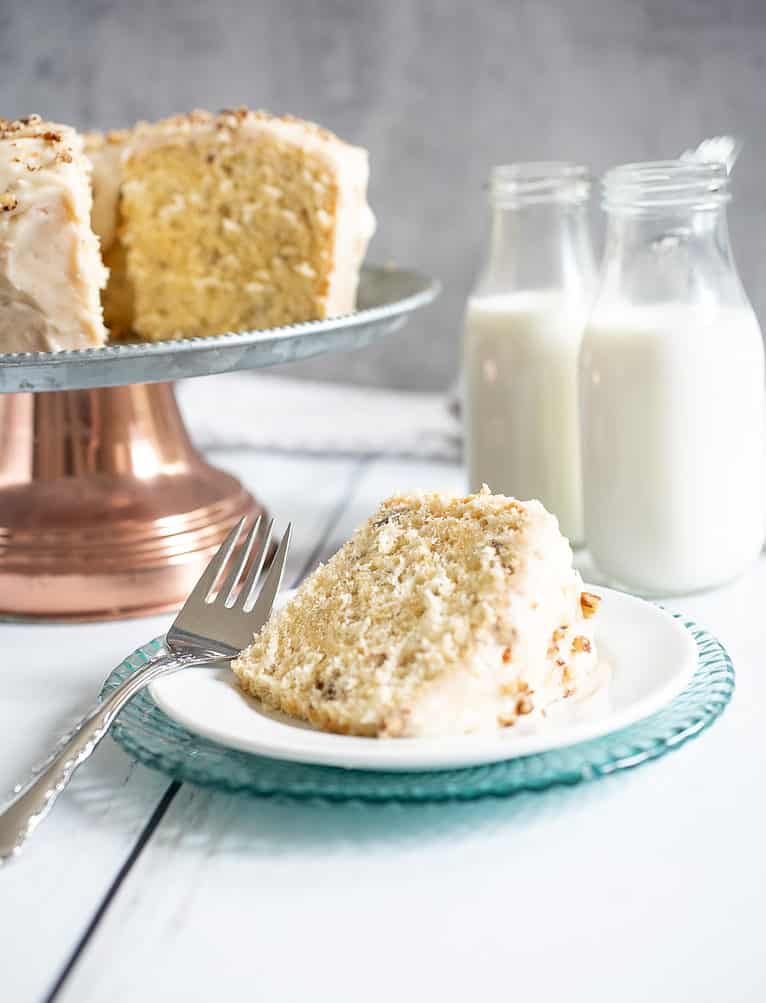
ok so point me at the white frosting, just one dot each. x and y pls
(544, 596)
(106, 154)
(50, 266)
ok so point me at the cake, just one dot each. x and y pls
(441, 615)
(229, 222)
(105, 151)
(202, 223)
(51, 271)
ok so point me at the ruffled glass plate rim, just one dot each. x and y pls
(157, 741)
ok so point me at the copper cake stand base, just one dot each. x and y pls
(106, 508)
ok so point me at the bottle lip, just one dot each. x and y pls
(661, 185)
(535, 182)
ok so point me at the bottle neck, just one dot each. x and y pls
(540, 246)
(678, 255)
(702, 227)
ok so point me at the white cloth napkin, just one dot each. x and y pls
(267, 411)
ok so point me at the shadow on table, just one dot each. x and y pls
(214, 823)
(115, 791)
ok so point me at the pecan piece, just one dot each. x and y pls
(589, 604)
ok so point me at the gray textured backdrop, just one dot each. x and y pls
(438, 92)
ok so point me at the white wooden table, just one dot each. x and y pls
(648, 886)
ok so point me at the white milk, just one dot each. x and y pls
(674, 445)
(522, 429)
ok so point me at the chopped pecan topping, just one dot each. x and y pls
(581, 643)
(589, 604)
(503, 555)
(392, 515)
(524, 705)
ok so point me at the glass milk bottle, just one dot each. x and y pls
(672, 389)
(523, 327)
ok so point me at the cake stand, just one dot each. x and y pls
(106, 508)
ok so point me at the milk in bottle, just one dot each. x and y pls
(523, 327)
(672, 389)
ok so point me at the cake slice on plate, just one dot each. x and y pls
(442, 615)
(51, 271)
(229, 222)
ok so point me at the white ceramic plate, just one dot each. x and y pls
(649, 658)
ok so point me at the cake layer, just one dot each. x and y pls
(441, 615)
(230, 222)
(51, 271)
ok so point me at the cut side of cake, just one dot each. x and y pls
(51, 271)
(442, 615)
(229, 222)
(106, 152)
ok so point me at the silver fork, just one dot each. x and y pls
(214, 624)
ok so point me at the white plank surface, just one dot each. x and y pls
(51, 674)
(646, 886)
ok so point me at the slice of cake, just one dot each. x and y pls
(441, 615)
(51, 271)
(227, 223)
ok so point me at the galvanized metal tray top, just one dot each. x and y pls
(387, 295)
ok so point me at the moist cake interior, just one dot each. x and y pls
(225, 237)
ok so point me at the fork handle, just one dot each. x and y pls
(32, 801)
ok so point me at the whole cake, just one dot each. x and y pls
(203, 224)
(51, 271)
(214, 223)
(442, 615)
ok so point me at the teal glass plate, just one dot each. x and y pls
(145, 732)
